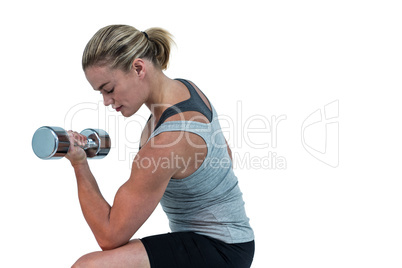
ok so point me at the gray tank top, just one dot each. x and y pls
(209, 201)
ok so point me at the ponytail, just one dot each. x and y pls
(161, 40)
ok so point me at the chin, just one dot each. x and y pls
(127, 114)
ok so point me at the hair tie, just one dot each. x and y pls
(146, 35)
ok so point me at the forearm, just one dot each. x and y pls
(94, 207)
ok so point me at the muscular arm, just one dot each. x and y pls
(113, 226)
(94, 207)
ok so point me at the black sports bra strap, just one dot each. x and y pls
(194, 103)
(191, 89)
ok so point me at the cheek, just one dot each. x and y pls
(137, 96)
(132, 102)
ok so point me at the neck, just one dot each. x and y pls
(159, 87)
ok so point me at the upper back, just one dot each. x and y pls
(188, 91)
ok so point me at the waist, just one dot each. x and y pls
(225, 220)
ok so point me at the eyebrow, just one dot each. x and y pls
(101, 86)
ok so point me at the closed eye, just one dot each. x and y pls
(108, 92)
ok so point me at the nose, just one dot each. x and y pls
(107, 100)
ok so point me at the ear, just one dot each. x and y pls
(139, 67)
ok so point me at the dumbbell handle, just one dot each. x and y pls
(88, 145)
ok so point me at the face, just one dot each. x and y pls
(124, 91)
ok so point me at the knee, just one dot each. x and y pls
(75, 265)
(78, 264)
(82, 262)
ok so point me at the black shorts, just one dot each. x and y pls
(191, 250)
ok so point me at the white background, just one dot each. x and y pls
(255, 58)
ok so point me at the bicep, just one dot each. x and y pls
(138, 197)
(134, 203)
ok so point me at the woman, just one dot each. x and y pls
(184, 163)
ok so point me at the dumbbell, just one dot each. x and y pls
(53, 143)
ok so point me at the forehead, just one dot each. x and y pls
(98, 76)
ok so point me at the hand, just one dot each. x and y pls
(76, 154)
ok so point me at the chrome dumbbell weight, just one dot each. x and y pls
(53, 143)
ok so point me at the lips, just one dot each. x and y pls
(118, 108)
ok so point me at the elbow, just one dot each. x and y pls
(113, 238)
(110, 243)
(106, 246)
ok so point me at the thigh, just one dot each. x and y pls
(132, 254)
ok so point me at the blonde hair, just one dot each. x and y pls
(119, 45)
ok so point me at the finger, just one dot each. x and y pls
(71, 136)
(79, 138)
(76, 138)
(82, 139)
(71, 139)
